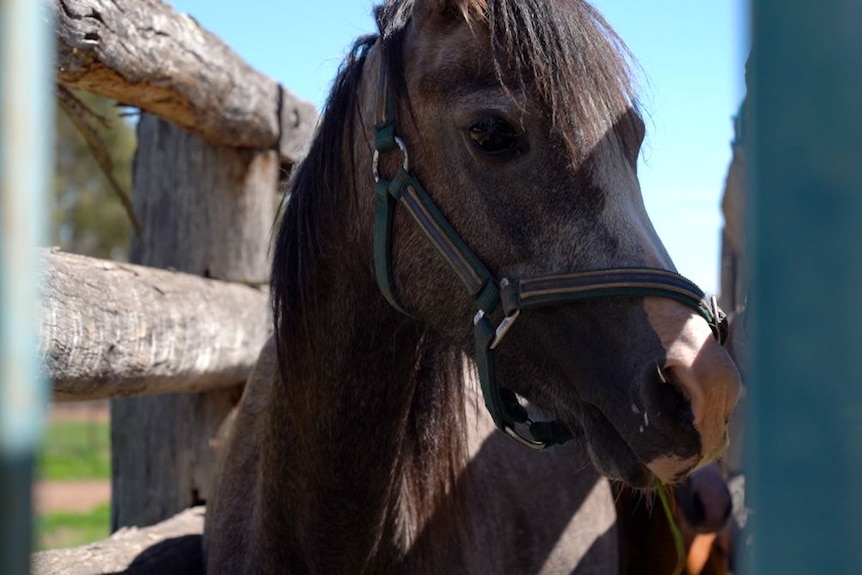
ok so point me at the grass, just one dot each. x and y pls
(72, 451)
(75, 450)
(56, 530)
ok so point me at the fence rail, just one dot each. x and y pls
(112, 329)
(144, 54)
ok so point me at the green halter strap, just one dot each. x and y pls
(512, 296)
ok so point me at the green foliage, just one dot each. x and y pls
(57, 530)
(88, 217)
(76, 450)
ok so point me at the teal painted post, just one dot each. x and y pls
(805, 395)
(26, 118)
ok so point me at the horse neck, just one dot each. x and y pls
(363, 434)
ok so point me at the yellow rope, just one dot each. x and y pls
(677, 534)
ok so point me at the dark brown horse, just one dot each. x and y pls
(701, 506)
(506, 134)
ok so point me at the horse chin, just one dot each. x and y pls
(611, 454)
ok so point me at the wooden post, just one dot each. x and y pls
(206, 210)
(805, 394)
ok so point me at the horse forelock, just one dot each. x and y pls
(562, 51)
(565, 53)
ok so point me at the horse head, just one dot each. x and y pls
(511, 132)
(522, 125)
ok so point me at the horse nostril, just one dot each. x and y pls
(667, 425)
(695, 362)
(670, 397)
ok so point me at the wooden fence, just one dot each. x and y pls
(171, 337)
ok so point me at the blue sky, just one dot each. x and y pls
(692, 53)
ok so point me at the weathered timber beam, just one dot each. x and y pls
(110, 329)
(144, 54)
(172, 547)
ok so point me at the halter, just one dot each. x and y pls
(511, 295)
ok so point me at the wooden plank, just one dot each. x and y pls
(206, 210)
(172, 547)
(144, 54)
(111, 329)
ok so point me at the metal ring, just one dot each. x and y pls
(405, 162)
(526, 442)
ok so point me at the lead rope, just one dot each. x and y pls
(678, 543)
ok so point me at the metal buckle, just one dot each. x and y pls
(375, 159)
(719, 321)
(502, 329)
(505, 325)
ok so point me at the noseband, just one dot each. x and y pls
(511, 296)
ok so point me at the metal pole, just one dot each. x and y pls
(805, 395)
(26, 118)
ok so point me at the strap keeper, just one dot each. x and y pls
(509, 296)
(399, 182)
(384, 136)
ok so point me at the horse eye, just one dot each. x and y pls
(493, 136)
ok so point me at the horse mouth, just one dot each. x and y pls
(610, 453)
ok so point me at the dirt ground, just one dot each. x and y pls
(73, 496)
(79, 411)
(70, 496)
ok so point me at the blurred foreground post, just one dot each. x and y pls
(805, 404)
(26, 110)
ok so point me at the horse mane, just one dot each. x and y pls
(311, 202)
(568, 56)
(435, 426)
(566, 53)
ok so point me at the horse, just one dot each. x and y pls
(470, 197)
(701, 512)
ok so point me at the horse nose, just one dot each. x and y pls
(699, 374)
(705, 500)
